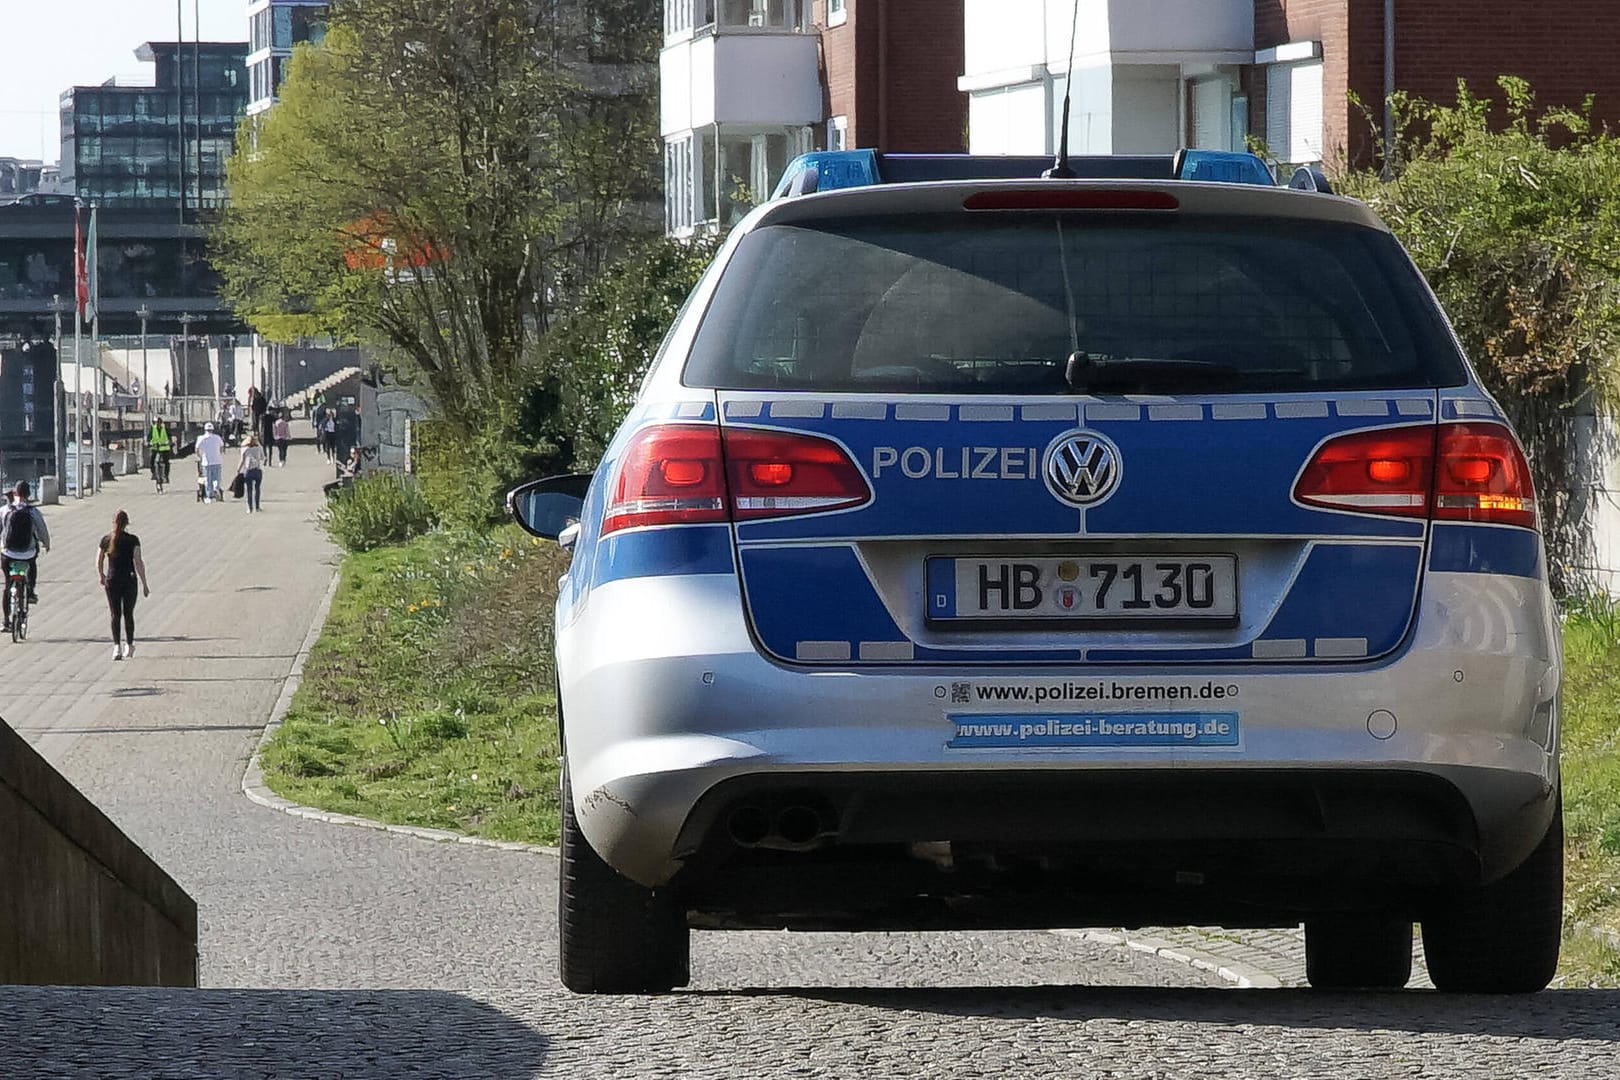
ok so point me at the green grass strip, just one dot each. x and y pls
(428, 699)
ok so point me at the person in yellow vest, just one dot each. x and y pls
(161, 444)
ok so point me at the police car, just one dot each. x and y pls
(990, 550)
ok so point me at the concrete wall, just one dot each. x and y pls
(80, 903)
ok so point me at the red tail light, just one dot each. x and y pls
(777, 473)
(670, 474)
(1375, 472)
(1482, 476)
(688, 474)
(1453, 472)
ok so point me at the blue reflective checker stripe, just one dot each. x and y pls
(1477, 549)
(812, 594)
(671, 550)
(1477, 407)
(1352, 590)
(941, 587)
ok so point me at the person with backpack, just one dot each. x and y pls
(22, 536)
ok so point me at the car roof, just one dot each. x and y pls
(944, 197)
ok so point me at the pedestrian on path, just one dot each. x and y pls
(282, 434)
(329, 435)
(23, 535)
(265, 428)
(119, 566)
(251, 469)
(211, 454)
(161, 443)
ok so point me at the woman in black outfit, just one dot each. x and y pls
(119, 566)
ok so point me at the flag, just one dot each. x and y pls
(81, 283)
(92, 289)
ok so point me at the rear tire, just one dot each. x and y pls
(1503, 938)
(1361, 951)
(615, 936)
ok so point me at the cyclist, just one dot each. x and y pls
(22, 536)
(158, 438)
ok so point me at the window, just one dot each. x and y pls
(678, 181)
(942, 304)
(677, 17)
(838, 133)
(282, 34)
(761, 14)
(1294, 111)
(837, 15)
(1240, 122)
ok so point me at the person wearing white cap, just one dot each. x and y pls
(211, 452)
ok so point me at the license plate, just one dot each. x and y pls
(1113, 588)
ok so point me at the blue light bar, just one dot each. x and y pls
(831, 170)
(1223, 167)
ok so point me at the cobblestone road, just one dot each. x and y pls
(342, 952)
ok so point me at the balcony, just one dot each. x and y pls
(1017, 41)
(751, 62)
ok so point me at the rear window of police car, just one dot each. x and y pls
(999, 304)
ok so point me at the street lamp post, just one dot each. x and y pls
(186, 319)
(143, 313)
(57, 400)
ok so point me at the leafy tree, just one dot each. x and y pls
(1514, 218)
(598, 355)
(436, 178)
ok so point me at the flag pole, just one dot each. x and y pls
(78, 357)
(94, 288)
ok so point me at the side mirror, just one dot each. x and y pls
(551, 507)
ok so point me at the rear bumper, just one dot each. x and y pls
(1433, 769)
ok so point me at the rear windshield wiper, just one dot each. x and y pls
(1085, 372)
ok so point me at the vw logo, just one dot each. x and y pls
(1082, 468)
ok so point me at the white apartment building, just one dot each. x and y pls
(740, 89)
(1149, 76)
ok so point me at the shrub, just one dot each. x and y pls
(378, 508)
(1511, 215)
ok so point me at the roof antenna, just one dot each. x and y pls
(1060, 166)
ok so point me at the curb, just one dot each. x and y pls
(254, 788)
(1242, 976)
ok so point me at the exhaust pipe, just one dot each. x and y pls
(797, 826)
(748, 826)
(792, 827)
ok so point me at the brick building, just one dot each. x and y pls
(1566, 50)
(746, 85)
(1149, 76)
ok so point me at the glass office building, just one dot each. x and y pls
(275, 27)
(122, 145)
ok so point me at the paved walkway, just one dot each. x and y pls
(330, 951)
(160, 743)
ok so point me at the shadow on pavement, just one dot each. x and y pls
(108, 1033)
(144, 639)
(166, 729)
(1553, 1014)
